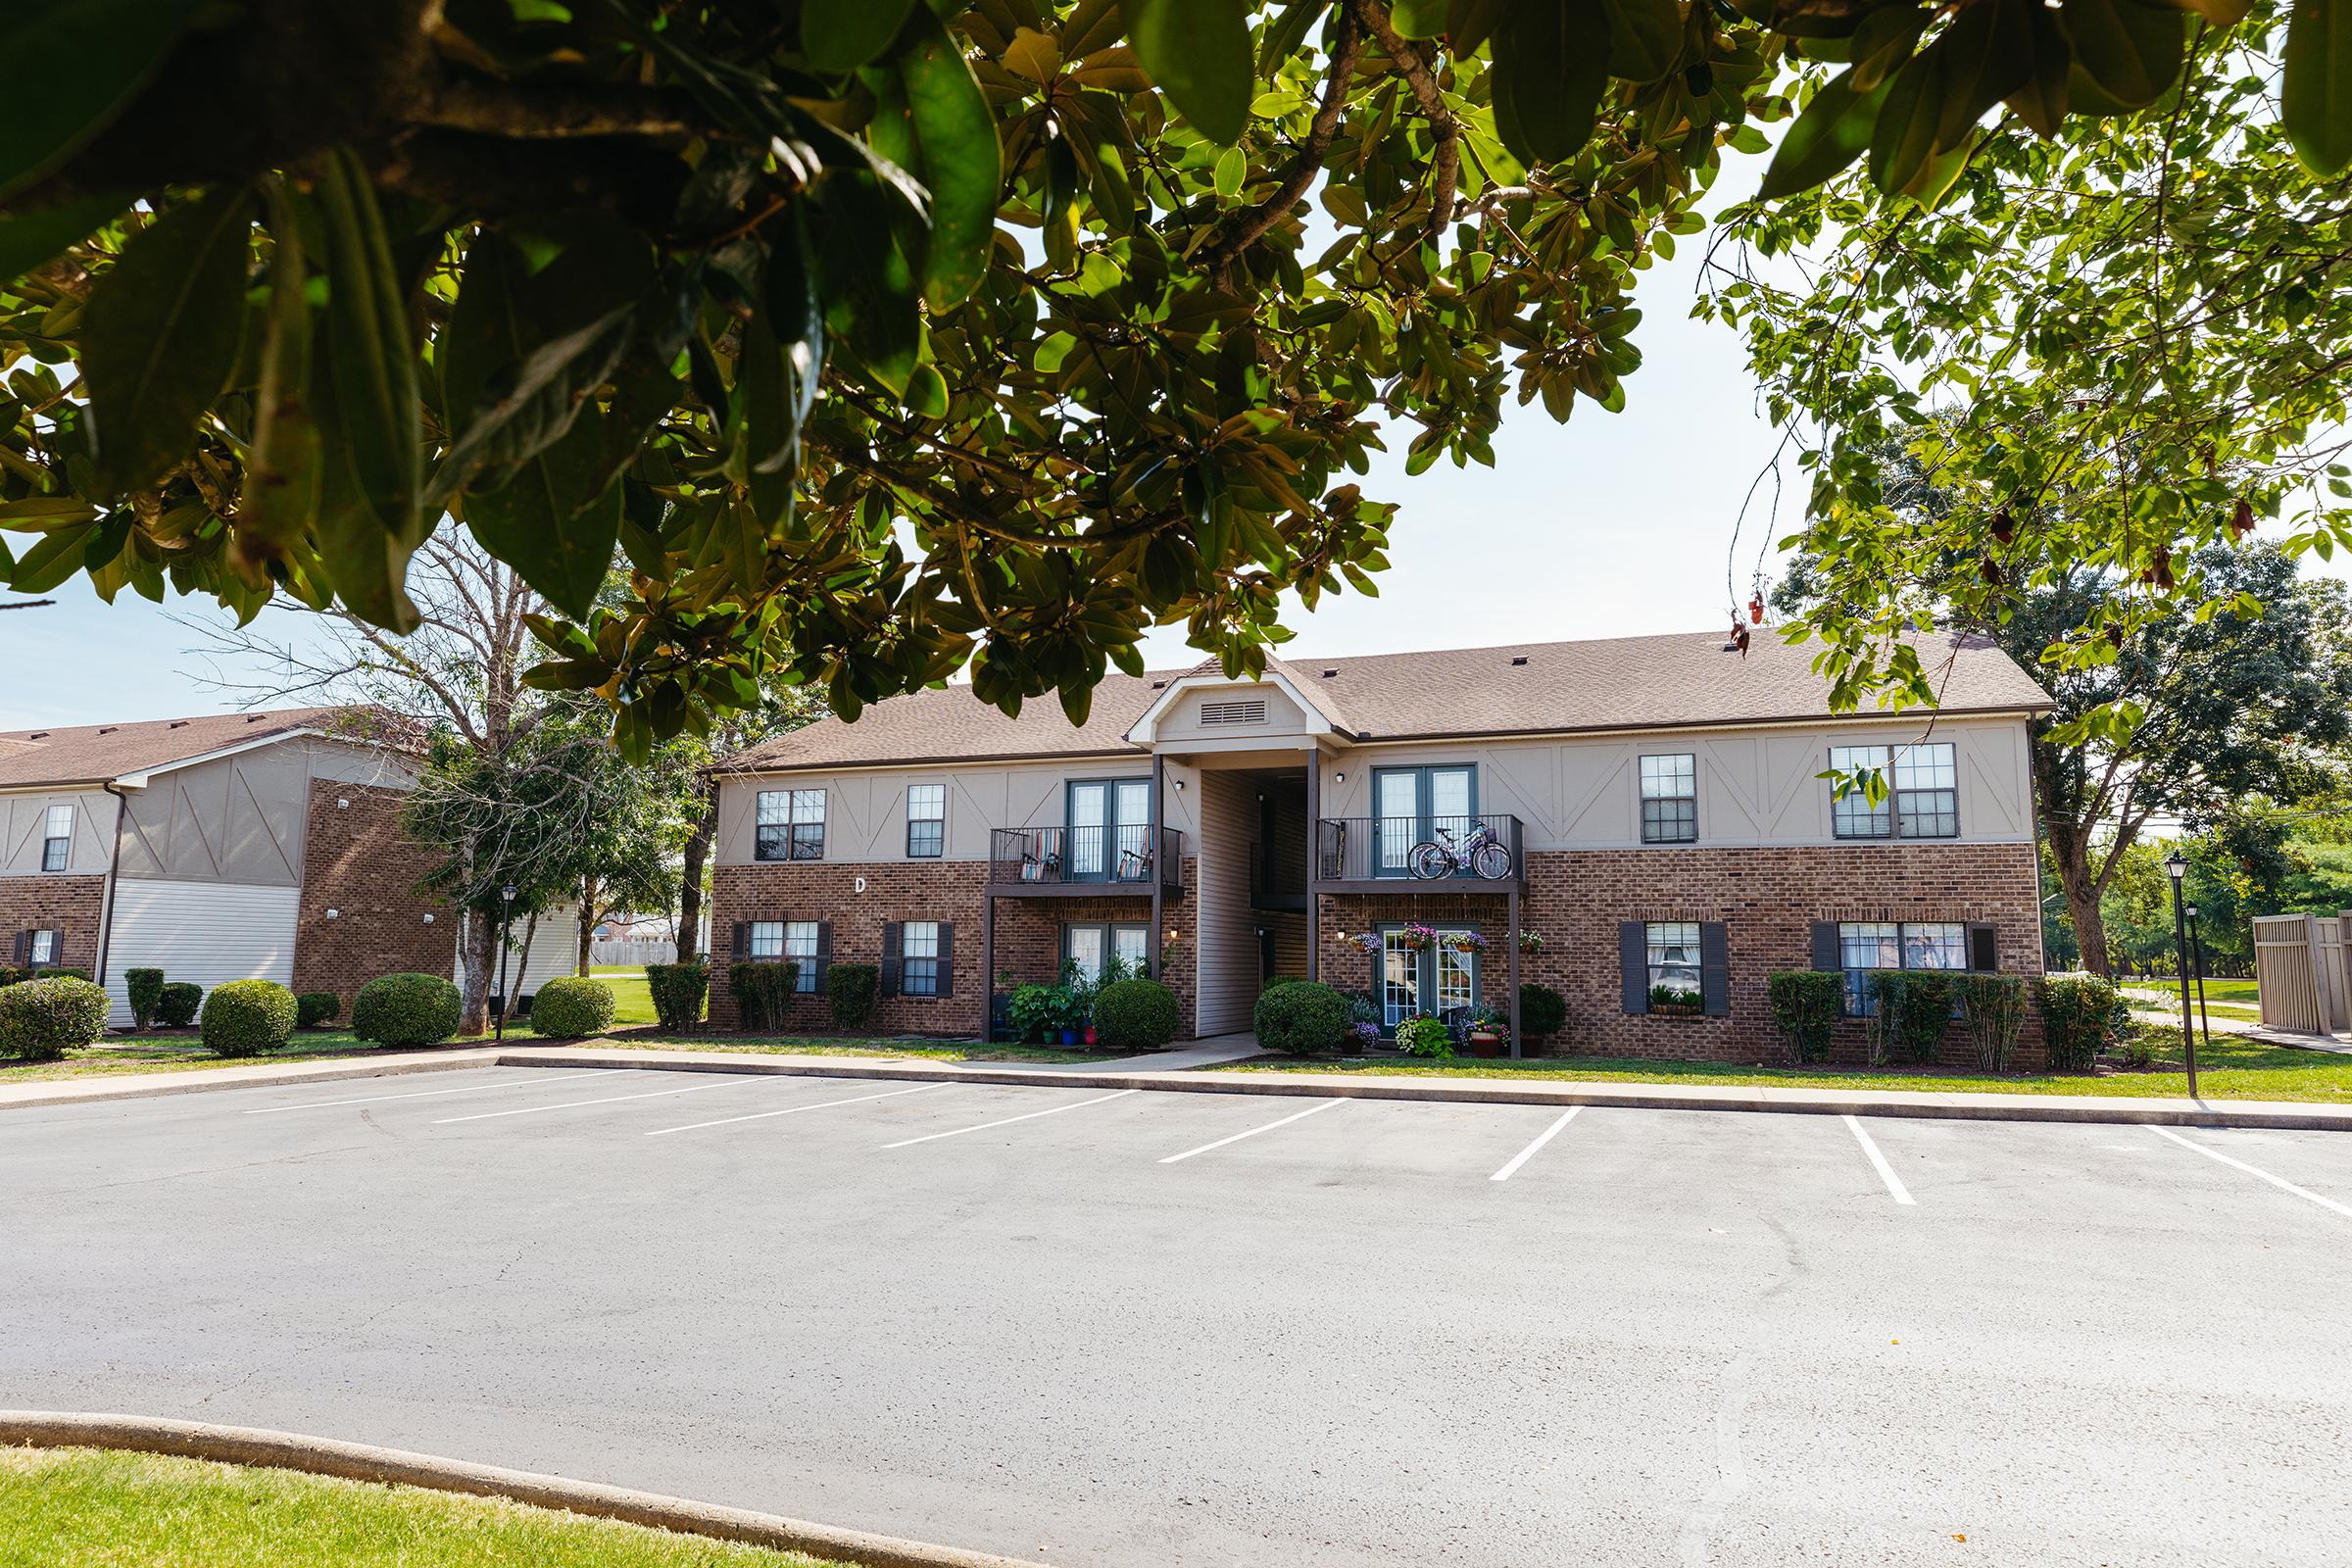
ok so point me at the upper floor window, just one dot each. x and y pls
(1921, 799)
(1109, 829)
(918, 957)
(1416, 805)
(791, 825)
(1670, 799)
(1866, 944)
(926, 821)
(57, 841)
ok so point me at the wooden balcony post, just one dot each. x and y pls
(1516, 1050)
(1159, 872)
(1314, 855)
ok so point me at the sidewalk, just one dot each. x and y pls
(1914, 1103)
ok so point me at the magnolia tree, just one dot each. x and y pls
(886, 338)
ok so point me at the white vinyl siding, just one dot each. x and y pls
(202, 932)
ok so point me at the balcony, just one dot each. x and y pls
(1046, 862)
(1444, 854)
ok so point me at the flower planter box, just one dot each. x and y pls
(1483, 1045)
(1677, 1010)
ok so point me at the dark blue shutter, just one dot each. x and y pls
(1715, 969)
(1633, 957)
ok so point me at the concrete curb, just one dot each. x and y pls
(259, 1075)
(360, 1462)
(2274, 1114)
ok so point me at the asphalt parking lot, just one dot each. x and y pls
(1144, 1329)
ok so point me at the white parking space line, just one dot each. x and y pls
(2279, 1182)
(1323, 1105)
(725, 1081)
(1007, 1121)
(1542, 1138)
(1894, 1184)
(419, 1093)
(794, 1111)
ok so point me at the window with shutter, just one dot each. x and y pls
(918, 957)
(799, 945)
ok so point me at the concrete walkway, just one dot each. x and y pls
(1201, 1054)
(1910, 1104)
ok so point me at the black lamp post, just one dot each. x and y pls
(506, 929)
(2197, 957)
(2175, 868)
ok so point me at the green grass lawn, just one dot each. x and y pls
(88, 1508)
(2229, 1069)
(632, 1002)
(129, 1053)
(2223, 998)
(910, 1046)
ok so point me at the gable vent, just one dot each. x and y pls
(1252, 712)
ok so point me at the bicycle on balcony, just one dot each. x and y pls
(1480, 853)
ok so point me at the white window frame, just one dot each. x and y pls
(766, 939)
(57, 838)
(1675, 945)
(800, 947)
(1664, 785)
(1922, 792)
(1913, 943)
(936, 820)
(919, 954)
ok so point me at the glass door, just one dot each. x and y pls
(1089, 810)
(1410, 803)
(1432, 983)
(1400, 982)
(1131, 819)
(1109, 829)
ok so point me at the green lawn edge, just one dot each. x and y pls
(96, 1509)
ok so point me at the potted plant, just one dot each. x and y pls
(1364, 942)
(1489, 1032)
(1674, 1001)
(1033, 1010)
(1465, 942)
(1531, 943)
(1416, 938)
(1424, 1036)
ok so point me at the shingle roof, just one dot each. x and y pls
(88, 753)
(1673, 680)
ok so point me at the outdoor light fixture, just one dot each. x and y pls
(2175, 866)
(333, 915)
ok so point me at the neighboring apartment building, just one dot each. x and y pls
(219, 847)
(1655, 805)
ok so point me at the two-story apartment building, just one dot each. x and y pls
(1622, 820)
(224, 847)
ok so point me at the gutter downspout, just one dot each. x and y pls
(113, 865)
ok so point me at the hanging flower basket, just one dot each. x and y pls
(1465, 942)
(1416, 938)
(1531, 943)
(1366, 942)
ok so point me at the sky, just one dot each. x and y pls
(1608, 525)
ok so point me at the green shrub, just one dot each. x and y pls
(678, 991)
(1993, 1008)
(406, 1010)
(1034, 1008)
(145, 988)
(763, 990)
(1363, 1007)
(2077, 1017)
(1542, 1011)
(9, 977)
(1136, 1015)
(1805, 1006)
(1914, 1008)
(314, 1010)
(246, 1018)
(572, 1007)
(176, 1004)
(1300, 1018)
(850, 989)
(66, 974)
(40, 1019)
(1425, 1037)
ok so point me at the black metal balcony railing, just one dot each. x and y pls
(1061, 856)
(1405, 848)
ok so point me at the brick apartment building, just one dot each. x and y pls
(1652, 808)
(218, 847)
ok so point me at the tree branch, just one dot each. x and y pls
(1305, 163)
(528, 112)
(1444, 159)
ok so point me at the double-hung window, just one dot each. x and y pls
(57, 840)
(768, 940)
(802, 947)
(1921, 799)
(926, 822)
(41, 950)
(1089, 947)
(1674, 957)
(791, 825)
(919, 959)
(1866, 944)
(1670, 799)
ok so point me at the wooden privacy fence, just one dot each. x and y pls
(2303, 970)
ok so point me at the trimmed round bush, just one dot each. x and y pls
(405, 1010)
(1136, 1015)
(1542, 1011)
(851, 990)
(314, 1009)
(177, 1004)
(572, 1007)
(144, 989)
(40, 1019)
(1300, 1018)
(678, 989)
(246, 1018)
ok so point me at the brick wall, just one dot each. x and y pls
(355, 862)
(69, 905)
(1028, 936)
(1768, 899)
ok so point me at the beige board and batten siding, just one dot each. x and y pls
(1227, 982)
(240, 819)
(1757, 786)
(865, 808)
(25, 819)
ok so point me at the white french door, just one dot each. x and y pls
(1431, 983)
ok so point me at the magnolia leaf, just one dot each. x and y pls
(1983, 57)
(2133, 51)
(27, 239)
(1198, 53)
(840, 34)
(2040, 100)
(1645, 38)
(1032, 55)
(1827, 137)
(75, 65)
(1552, 66)
(1905, 134)
(2316, 101)
(547, 526)
(162, 335)
(962, 163)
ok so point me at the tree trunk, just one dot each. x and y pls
(587, 924)
(478, 951)
(2070, 847)
(690, 881)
